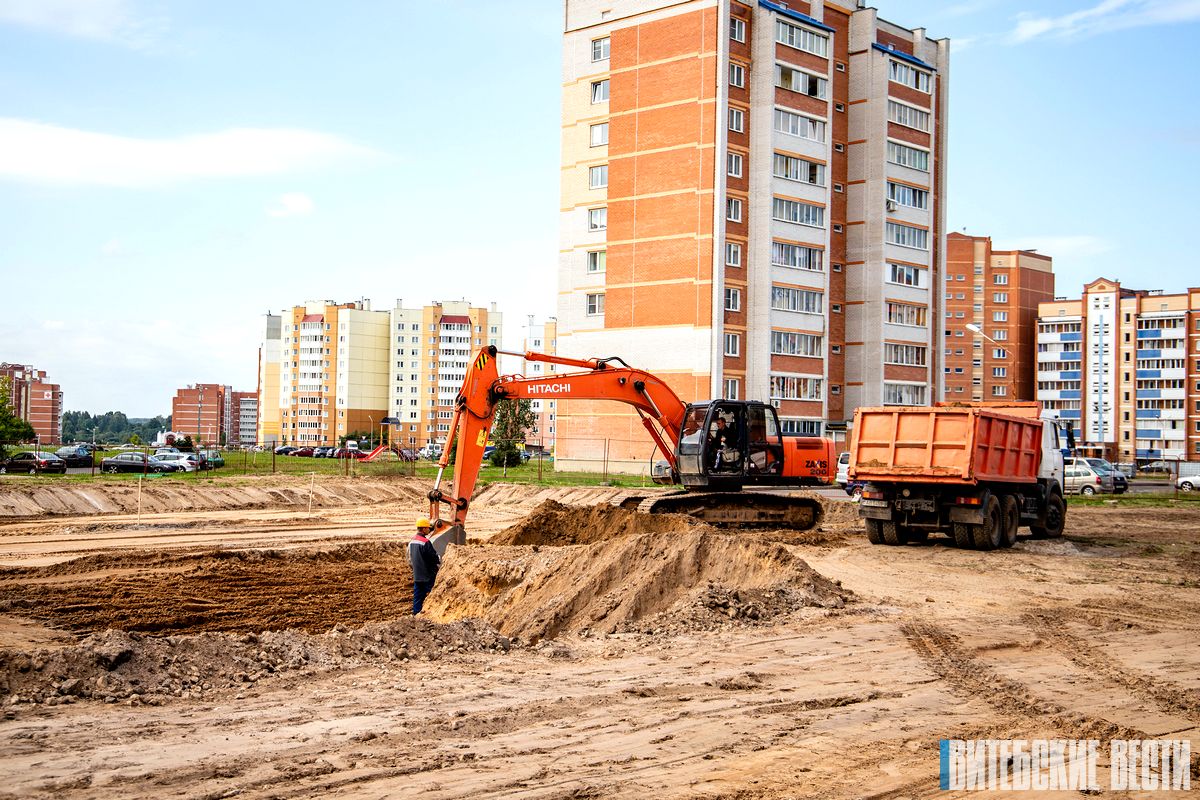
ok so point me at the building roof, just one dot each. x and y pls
(313, 318)
(902, 56)
(796, 15)
(456, 318)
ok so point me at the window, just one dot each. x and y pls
(798, 169)
(737, 75)
(907, 156)
(733, 387)
(733, 254)
(598, 176)
(906, 314)
(907, 236)
(737, 29)
(733, 165)
(802, 38)
(999, 372)
(794, 387)
(595, 304)
(797, 212)
(908, 116)
(786, 298)
(910, 355)
(599, 134)
(1000, 279)
(803, 82)
(906, 275)
(800, 125)
(597, 260)
(999, 352)
(903, 394)
(999, 297)
(999, 316)
(910, 196)
(788, 343)
(600, 49)
(597, 219)
(737, 120)
(796, 256)
(1000, 336)
(909, 76)
(999, 391)
(599, 91)
(733, 299)
(733, 344)
(733, 209)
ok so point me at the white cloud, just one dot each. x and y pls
(41, 153)
(1107, 16)
(1064, 247)
(112, 21)
(291, 204)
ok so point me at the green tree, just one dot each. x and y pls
(513, 418)
(13, 429)
(135, 439)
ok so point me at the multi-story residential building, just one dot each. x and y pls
(431, 347)
(35, 400)
(242, 422)
(269, 375)
(752, 207)
(541, 338)
(1126, 365)
(333, 376)
(201, 411)
(997, 292)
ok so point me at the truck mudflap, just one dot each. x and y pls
(875, 509)
(969, 515)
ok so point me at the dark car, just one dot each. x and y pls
(32, 462)
(136, 462)
(322, 452)
(854, 488)
(75, 455)
(287, 449)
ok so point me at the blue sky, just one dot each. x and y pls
(169, 171)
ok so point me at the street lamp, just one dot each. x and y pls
(973, 328)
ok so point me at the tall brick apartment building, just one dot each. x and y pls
(752, 207)
(997, 291)
(35, 400)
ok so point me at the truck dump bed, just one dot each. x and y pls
(945, 443)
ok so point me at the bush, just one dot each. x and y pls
(506, 454)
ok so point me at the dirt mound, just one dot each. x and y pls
(624, 578)
(22, 498)
(117, 666)
(555, 524)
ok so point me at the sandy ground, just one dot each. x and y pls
(572, 651)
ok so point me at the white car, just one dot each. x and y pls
(188, 461)
(1188, 483)
(843, 470)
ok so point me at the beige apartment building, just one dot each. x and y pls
(997, 292)
(269, 420)
(752, 207)
(1125, 364)
(431, 347)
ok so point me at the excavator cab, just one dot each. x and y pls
(727, 444)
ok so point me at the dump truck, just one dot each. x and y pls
(974, 471)
(713, 449)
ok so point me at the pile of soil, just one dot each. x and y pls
(620, 576)
(216, 590)
(20, 498)
(117, 666)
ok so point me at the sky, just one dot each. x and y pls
(172, 171)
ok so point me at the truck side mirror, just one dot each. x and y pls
(1071, 437)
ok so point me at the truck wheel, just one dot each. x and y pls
(963, 537)
(1011, 513)
(1055, 519)
(875, 531)
(894, 534)
(989, 534)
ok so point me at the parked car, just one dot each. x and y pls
(431, 451)
(286, 449)
(1081, 478)
(75, 455)
(347, 452)
(34, 461)
(1188, 483)
(843, 469)
(322, 452)
(129, 447)
(1129, 469)
(854, 489)
(1155, 466)
(303, 452)
(211, 459)
(137, 462)
(1120, 484)
(190, 462)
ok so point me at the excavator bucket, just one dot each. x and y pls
(452, 535)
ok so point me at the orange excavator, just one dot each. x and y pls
(713, 449)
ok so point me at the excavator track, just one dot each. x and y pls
(735, 509)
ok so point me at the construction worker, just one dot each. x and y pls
(425, 563)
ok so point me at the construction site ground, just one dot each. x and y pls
(255, 640)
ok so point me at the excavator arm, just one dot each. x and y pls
(660, 409)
